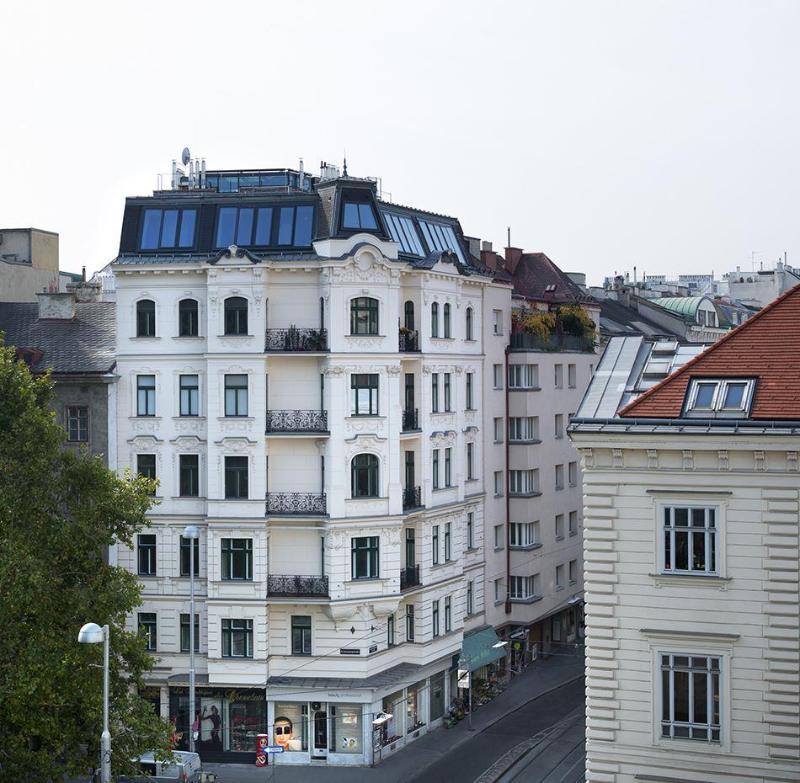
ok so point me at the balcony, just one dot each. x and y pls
(411, 420)
(412, 498)
(295, 340)
(297, 421)
(409, 577)
(409, 340)
(297, 586)
(299, 503)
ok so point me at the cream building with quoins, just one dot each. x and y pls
(692, 501)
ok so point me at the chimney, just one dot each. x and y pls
(513, 255)
(56, 307)
(489, 257)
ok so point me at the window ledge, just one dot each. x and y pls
(695, 580)
(376, 336)
(188, 337)
(524, 547)
(144, 416)
(443, 489)
(228, 418)
(235, 335)
(530, 600)
(573, 533)
(559, 538)
(146, 337)
(573, 582)
(470, 480)
(499, 548)
(526, 441)
(496, 442)
(499, 495)
(188, 418)
(525, 494)
(471, 549)
(559, 587)
(361, 416)
(524, 388)
(361, 579)
(367, 497)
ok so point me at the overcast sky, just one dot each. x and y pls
(607, 134)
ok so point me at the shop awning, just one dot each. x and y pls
(479, 649)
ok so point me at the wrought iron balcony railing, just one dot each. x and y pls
(300, 586)
(296, 503)
(294, 339)
(412, 498)
(409, 577)
(410, 419)
(297, 421)
(409, 341)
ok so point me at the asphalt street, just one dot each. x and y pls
(469, 761)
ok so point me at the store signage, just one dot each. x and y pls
(463, 678)
(373, 649)
(349, 651)
(275, 748)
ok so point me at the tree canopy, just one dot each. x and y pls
(59, 512)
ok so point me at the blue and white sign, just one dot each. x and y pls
(275, 748)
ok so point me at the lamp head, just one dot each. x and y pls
(191, 531)
(91, 633)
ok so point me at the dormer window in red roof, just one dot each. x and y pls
(719, 397)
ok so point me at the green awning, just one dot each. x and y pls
(478, 649)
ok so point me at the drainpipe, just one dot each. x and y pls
(508, 488)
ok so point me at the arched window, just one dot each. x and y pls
(364, 476)
(435, 319)
(187, 318)
(364, 315)
(469, 324)
(236, 315)
(146, 318)
(447, 320)
(409, 315)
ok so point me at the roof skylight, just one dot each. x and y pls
(441, 237)
(403, 232)
(723, 397)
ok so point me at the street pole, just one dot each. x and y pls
(105, 737)
(191, 645)
(192, 534)
(470, 701)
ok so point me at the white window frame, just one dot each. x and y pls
(498, 429)
(720, 390)
(525, 533)
(523, 588)
(720, 650)
(719, 526)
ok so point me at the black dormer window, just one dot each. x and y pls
(264, 226)
(164, 229)
(358, 215)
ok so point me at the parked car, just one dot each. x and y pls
(184, 768)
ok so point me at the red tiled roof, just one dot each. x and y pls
(766, 347)
(535, 272)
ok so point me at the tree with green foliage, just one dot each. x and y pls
(59, 512)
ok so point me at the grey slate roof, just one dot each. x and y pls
(84, 345)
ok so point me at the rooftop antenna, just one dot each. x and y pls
(508, 236)
(344, 168)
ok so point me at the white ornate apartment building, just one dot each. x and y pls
(692, 502)
(301, 367)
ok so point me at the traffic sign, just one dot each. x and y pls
(275, 748)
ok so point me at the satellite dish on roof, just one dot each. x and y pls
(185, 156)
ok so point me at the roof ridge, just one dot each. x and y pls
(724, 340)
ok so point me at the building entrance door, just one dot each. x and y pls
(320, 746)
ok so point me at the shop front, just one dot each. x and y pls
(230, 721)
(317, 730)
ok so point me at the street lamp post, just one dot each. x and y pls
(191, 532)
(92, 633)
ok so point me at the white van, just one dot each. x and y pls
(184, 768)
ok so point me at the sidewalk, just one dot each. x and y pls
(537, 679)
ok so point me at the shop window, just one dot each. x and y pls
(345, 727)
(437, 697)
(290, 727)
(392, 728)
(414, 712)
